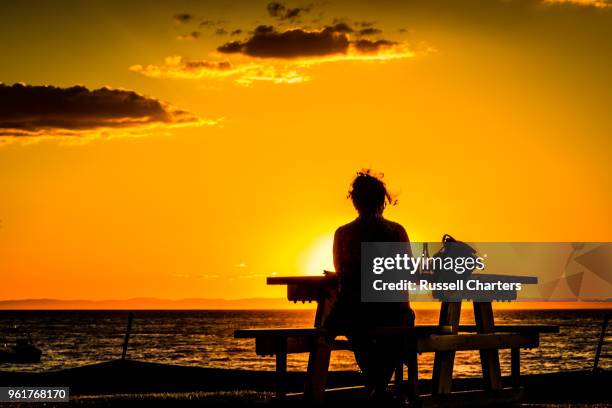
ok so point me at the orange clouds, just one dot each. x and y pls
(179, 67)
(269, 54)
(194, 35)
(279, 56)
(245, 73)
(592, 3)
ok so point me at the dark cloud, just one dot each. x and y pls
(282, 12)
(342, 28)
(359, 24)
(369, 31)
(183, 18)
(360, 28)
(370, 47)
(263, 29)
(275, 9)
(237, 31)
(231, 47)
(266, 42)
(27, 110)
(295, 12)
(221, 31)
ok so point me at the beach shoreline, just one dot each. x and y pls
(136, 383)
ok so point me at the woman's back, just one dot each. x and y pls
(347, 248)
(349, 311)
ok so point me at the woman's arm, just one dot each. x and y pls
(336, 251)
(403, 237)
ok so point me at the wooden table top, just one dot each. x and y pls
(319, 279)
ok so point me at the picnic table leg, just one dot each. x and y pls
(409, 357)
(318, 366)
(515, 367)
(281, 370)
(399, 376)
(491, 372)
(445, 360)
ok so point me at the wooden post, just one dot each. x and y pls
(399, 376)
(602, 337)
(320, 355)
(444, 361)
(489, 359)
(127, 335)
(413, 374)
(281, 369)
(515, 367)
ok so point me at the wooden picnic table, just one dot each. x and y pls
(319, 288)
(444, 339)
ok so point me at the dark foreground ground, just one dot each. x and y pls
(138, 384)
(239, 399)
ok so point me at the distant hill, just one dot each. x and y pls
(152, 303)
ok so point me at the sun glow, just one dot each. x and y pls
(319, 257)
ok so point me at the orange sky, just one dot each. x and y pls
(490, 121)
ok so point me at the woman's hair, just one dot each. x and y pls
(369, 193)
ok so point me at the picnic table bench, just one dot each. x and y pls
(444, 339)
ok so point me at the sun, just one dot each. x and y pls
(319, 256)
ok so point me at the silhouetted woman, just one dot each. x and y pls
(376, 358)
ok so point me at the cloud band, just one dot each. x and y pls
(27, 110)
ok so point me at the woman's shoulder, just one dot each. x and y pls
(393, 231)
(393, 224)
(397, 228)
(348, 227)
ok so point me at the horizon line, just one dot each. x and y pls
(254, 303)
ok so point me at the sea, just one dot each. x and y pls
(204, 338)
